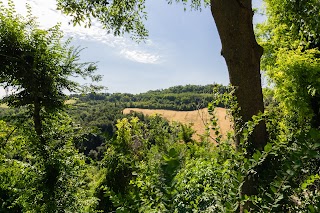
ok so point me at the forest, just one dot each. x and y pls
(80, 153)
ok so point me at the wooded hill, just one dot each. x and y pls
(181, 98)
(102, 111)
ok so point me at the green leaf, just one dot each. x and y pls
(173, 153)
(268, 147)
(311, 208)
(290, 172)
(256, 156)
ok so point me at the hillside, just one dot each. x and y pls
(199, 118)
(181, 98)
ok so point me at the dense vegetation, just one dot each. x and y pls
(89, 157)
(181, 98)
(98, 113)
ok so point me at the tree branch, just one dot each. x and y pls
(11, 134)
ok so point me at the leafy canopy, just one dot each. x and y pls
(290, 38)
(36, 63)
(116, 16)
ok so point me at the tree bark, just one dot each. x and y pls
(37, 117)
(37, 120)
(234, 21)
(51, 172)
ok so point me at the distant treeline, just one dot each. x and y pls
(181, 98)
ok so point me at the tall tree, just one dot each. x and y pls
(242, 54)
(38, 65)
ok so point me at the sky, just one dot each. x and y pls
(183, 47)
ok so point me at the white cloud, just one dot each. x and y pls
(48, 16)
(140, 56)
(2, 92)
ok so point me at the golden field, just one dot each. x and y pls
(4, 106)
(199, 118)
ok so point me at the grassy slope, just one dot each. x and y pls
(3, 106)
(199, 118)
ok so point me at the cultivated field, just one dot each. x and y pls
(70, 101)
(3, 106)
(199, 118)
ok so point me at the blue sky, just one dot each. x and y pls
(183, 47)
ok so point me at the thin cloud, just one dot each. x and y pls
(48, 16)
(141, 56)
(2, 92)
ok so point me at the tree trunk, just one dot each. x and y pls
(51, 173)
(242, 54)
(37, 118)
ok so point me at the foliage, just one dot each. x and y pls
(117, 16)
(121, 161)
(291, 23)
(26, 179)
(35, 62)
(290, 38)
(209, 181)
(186, 133)
(95, 115)
(146, 164)
(182, 98)
(37, 66)
(13, 152)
